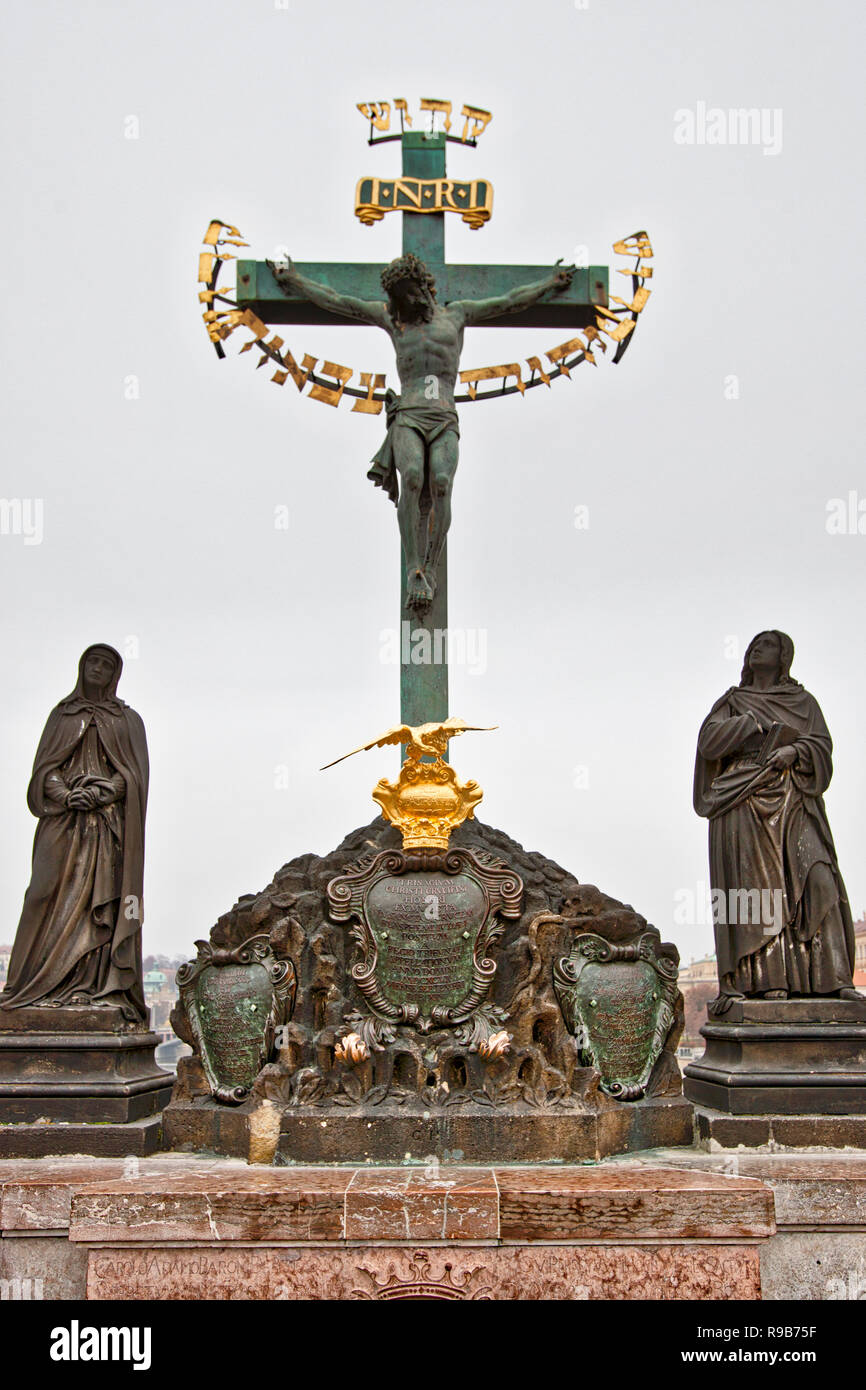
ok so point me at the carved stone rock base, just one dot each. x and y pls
(471, 1134)
(441, 1012)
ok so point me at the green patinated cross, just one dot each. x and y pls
(424, 684)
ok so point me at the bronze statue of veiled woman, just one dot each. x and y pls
(781, 916)
(79, 938)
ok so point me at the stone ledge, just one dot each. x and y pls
(480, 1134)
(592, 1203)
(825, 1190)
(609, 1202)
(110, 1139)
(413, 1204)
(838, 1131)
(36, 1193)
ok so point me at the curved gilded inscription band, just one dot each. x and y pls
(615, 323)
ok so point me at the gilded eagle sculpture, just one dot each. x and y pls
(420, 741)
(427, 801)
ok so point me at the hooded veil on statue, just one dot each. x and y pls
(781, 915)
(79, 938)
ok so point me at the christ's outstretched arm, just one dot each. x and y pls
(367, 310)
(477, 310)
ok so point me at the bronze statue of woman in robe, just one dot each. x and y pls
(79, 938)
(781, 916)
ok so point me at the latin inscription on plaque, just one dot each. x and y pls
(233, 1005)
(425, 926)
(618, 1001)
(618, 1004)
(233, 1000)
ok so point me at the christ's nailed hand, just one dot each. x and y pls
(283, 269)
(563, 278)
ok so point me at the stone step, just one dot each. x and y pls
(136, 1137)
(791, 1131)
(36, 1193)
(823, 1190)
(591, 1203)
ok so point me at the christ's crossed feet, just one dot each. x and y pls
(420, 590)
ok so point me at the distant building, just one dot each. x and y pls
(703, 969)
(5, 953)
(160, 995)
(860, 953)
(698, 984)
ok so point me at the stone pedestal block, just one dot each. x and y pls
(470, 1133)
(68, 1073)
(792, 1057)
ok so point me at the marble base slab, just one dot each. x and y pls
(380, 1273)
(592, 1203)
(178, 1226)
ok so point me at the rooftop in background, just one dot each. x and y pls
(703, 969)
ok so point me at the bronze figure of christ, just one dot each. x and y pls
(421, 446)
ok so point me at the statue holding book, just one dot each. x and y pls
(781, 916)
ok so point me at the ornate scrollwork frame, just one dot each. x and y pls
(473, 1019)
(257, 950)
(567, 970)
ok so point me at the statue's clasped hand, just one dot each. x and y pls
(784, 757)
(96, 794)
(83, 799)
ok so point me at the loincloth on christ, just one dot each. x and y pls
(430, 421)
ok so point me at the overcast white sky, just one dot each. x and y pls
(259, 649)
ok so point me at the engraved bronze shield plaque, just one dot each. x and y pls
(619, 1002)
(234, 1001)
(425, 921)
(425, 926)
